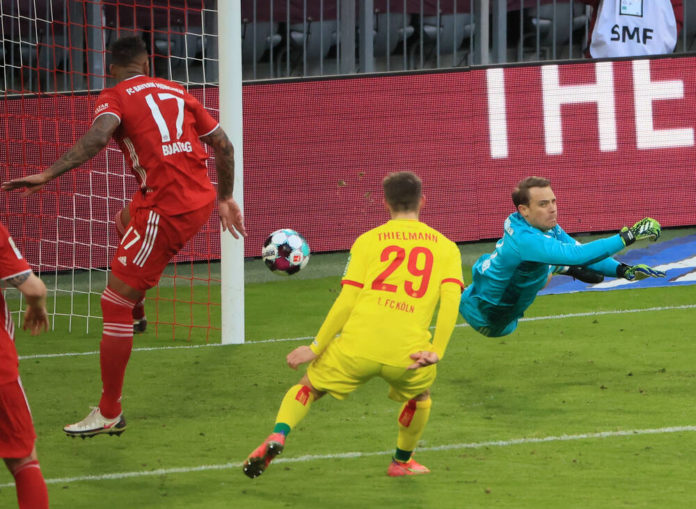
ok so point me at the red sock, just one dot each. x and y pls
(31, 487)
(139, 310)
(115, 349)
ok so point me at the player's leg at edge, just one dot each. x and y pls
(117, 302)
(413, 418)
(29, 481)
(293, 408)
(121, 220)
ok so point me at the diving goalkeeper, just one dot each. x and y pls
(533, 247)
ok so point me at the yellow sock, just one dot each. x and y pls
(295, 405)
(413, 417)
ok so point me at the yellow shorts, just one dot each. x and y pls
(339, 375)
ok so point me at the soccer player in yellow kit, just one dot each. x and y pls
(396, 275)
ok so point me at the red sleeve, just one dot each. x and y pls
(108, 102)
(205, 123)
(11, 260)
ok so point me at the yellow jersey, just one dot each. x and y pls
(400, 268)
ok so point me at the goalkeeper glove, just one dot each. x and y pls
(646, 228)
(580, 273)
(637, 272)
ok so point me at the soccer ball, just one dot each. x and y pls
(285, 252)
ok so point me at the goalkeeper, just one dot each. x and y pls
(533, 247)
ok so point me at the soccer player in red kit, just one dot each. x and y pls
(157, 125)
(17, 434)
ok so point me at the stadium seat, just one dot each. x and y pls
(180, 44)
(391, 28)
(566, 17)
(257, 38)
(313, 45)
(445, 39)
(54, 56)
(171, 47)
(20, 60)
(453, 29)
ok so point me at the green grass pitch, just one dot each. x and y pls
(577, 412)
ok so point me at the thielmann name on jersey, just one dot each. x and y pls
(176, 147)
(407, 236)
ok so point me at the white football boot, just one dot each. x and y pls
(94, 424)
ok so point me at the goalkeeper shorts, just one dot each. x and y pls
(151, 241)
(340, 374)
(469, 310)
(17, 435)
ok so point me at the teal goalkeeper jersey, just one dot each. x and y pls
(506, 282)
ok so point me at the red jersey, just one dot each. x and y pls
(158, 135)
(12, 263)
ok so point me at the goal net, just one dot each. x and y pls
(55, 65)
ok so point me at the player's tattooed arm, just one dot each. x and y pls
(18, 279)
(34, 291)
(231, 217)
(89, 145)
(224, 161)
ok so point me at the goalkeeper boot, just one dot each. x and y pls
(410, 467)
(262, 456)
(94, 424)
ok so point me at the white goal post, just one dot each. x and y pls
(229, 47)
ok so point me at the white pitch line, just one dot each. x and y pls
(306, 338)
(350, 455)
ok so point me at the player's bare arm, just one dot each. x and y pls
(224, 161)
(89, 145)
(422, 359)
(300, 355)
(231, 217)
(18, 279)
(34, 291)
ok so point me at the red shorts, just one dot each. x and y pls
(17, 433)
(150, 242)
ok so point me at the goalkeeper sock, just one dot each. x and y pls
(294, 407)
(412, 420)
(31, 487)
(115, 349)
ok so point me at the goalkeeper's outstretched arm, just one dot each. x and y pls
(584, 274)
(547, 250)
(637, 272)
(88, 146)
